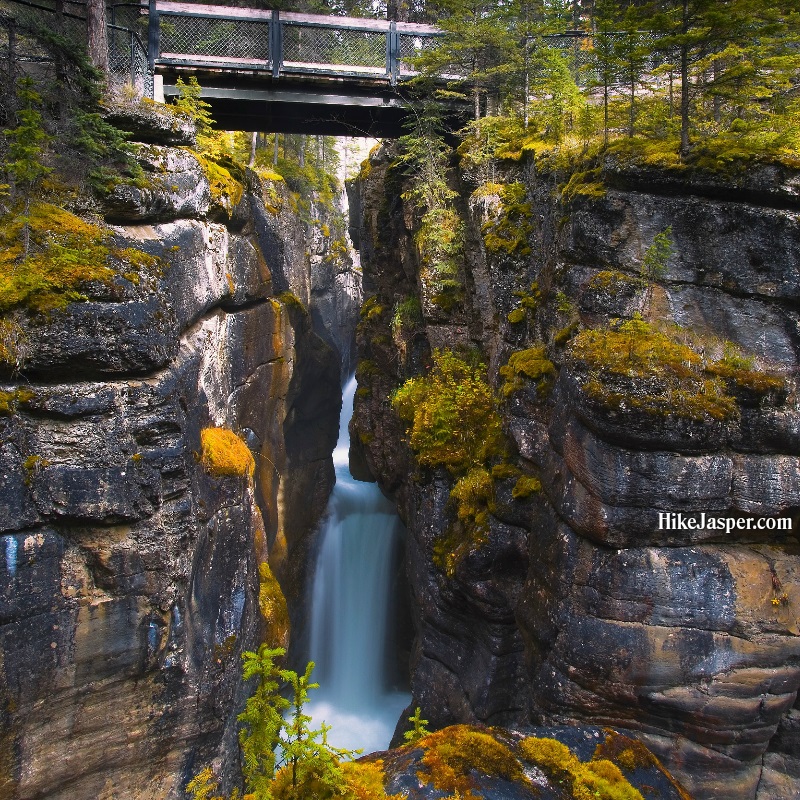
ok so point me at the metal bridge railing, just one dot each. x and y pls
(189, 34)
(22, 20)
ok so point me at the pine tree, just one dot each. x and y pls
(27, 146)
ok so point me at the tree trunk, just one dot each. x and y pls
(685, 83)
(97, 35)
(253, 143)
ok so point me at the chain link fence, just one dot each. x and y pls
(27, 27)
(334, 47)
(200, 38)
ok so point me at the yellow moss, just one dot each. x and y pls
(597, 779)
(371, 308)
(222, 452)
(452, 753)
(290, 299)
(509, 232)
(525, 487)
(65, 253)
(269, 175)
(532, 365)
(272, 604)
(585, 184)
(365, 780)
(10, 401)
(633, 354)
(517, 315)
(224, 187)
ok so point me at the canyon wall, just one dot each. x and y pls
(132, 576)
(576, 607)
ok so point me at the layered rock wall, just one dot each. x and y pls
(129, 575)
(578, 608)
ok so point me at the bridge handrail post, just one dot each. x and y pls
(153, 34)
(276, 43)
(392, 53)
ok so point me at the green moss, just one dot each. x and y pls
(10, 401)
(65, 253)
(32, 466)
(509, 232)
(585, 184)
(528, 365)
(593, 780)
(505, 470)
(566, 333)
(273, 608)
(452, 753)
(291, 300)
(528, 303)
(633, 365)
(525, 487)
(614, 281)
(223, 453)
(371, 309)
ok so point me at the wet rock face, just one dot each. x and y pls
(582, 607)
(129, 582)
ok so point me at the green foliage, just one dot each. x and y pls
(454, 423)
(407, 314)
(528, 365)
(657, 256)
(452, 415)
(418, 731)
(27, 142)
(189, 102)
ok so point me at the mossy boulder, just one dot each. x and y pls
(579, 763)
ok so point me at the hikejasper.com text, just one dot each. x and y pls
(677, 521)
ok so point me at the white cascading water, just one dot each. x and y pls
(350, 605)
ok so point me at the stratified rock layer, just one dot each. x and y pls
(129, 575)
(580, 607)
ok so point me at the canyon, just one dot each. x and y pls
(133, 576)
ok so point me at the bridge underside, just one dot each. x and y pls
(332, 107)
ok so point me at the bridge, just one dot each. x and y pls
(287, 72)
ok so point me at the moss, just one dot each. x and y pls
(365, 780)
(566, 333)
(614, 282)
(633, 365)
(363, 392)
(222, 453)
(528, 365)
(291, 300)
(509, 232)
(452, 753)
(525, 487)
(224, 187)
(447, 294)
(371, 309)
(597, 779)
(32, 466)
(273, 608)
(65, 253)
(366, 369)
(11, 400)
(528, 303)
(585, 184)
(14, 343)
(407, 314)
(504, 471)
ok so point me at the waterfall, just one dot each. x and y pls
(351, 643)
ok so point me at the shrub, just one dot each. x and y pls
(222, 453)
